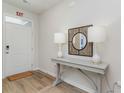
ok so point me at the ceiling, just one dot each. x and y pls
(36, 6)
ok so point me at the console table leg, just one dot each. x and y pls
(100, 84)
(58, 79)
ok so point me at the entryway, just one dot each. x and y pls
(18, 45)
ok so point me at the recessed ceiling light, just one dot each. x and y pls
(26, 1)
(72, 4)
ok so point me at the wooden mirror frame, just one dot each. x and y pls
(87, 50)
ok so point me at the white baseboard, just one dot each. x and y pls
(35, 68)
(47, 72)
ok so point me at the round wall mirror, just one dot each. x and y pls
(79, 41)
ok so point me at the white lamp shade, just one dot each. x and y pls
(96, 34)
(59, 38)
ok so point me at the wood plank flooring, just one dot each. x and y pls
(39, 82)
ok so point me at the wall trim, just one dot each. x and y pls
(46, 71)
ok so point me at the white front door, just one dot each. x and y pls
(18, 46)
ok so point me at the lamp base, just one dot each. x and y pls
(60, 54)
(96, 59)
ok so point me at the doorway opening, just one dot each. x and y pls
(17, 45)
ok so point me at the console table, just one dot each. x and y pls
(82, 66)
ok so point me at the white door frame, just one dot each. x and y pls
(4, 42)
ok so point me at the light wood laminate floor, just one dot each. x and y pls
(38, 83)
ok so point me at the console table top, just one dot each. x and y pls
(81, 63)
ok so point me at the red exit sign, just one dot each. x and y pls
(19, 13)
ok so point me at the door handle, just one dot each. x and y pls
(7, 49)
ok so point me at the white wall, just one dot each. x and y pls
(11, 10)
(85, 12)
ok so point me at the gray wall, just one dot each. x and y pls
(84, 12)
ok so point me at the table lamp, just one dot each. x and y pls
(59, 39)
(96, 34)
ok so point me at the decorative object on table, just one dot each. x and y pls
(96, 34)
(59, 38)
(78, 43)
